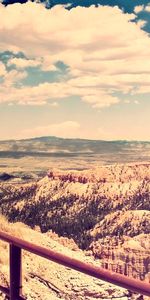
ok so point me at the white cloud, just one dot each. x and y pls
(12, 77)
(147, 8)
(39, 95)
(21, 63)
(138, 8)
(141, 23)
(54, 104)
(100, 100)
(2, 69)
(103, 57)
(48, 64)
(64, 129)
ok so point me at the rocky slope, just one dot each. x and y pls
(132, 255)
(46, 280)
(94, 207)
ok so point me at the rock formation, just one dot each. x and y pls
(105, 211)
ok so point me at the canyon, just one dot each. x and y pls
(104, 212)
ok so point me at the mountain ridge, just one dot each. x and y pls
(98, 151)
(69, 138)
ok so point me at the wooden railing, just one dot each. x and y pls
(14, 292)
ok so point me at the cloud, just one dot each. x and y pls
(126, 5)
(21, 63)
(54, 104)
(2, 69)
(103, 59)
(100, 100)
(64, 129)
(138, 9)
(141, 23)
(142, 8)
(147, 8)
(45, 92)
(11, 78)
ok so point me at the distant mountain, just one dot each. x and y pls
(61, 147)
(54, 144)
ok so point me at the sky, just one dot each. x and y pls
(75, 70)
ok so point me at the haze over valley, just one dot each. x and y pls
(34, 157)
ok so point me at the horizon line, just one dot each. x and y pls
(74, 138)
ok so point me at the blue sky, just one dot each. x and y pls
(80, 72)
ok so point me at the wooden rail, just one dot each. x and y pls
(14, 292)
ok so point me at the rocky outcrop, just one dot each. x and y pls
(5, 176)
(116, 224)
(126, 256)
(110, 173)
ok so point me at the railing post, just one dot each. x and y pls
(15, 272)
